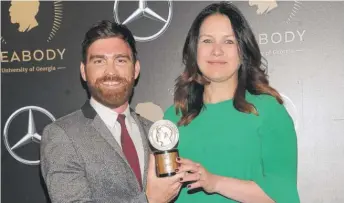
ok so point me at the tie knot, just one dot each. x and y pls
(121, 118)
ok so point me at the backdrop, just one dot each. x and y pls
(40, 81)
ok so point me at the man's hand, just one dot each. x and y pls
(161, 190)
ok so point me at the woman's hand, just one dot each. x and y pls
(197, 175)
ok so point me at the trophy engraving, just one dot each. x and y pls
(164, 136)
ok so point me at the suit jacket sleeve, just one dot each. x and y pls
(62, 169)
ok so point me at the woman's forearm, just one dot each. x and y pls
(241, 190)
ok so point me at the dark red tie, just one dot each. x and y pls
(129, 150)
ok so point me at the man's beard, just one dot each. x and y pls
(112, 98)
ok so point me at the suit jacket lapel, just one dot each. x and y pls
(100, 126)
(144, 136)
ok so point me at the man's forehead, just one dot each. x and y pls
(111, 54)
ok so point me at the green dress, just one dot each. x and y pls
(230, 143)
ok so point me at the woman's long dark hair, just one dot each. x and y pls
(189, 88)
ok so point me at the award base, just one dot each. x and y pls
(165, 162)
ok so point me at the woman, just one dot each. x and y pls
(237, 140)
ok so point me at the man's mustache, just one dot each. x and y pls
(112, 78)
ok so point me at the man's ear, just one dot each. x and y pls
(83, 71)
(137, 69)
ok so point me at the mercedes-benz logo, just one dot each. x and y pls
(31, 135)
(144, 11)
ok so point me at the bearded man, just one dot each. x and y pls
(100, 153)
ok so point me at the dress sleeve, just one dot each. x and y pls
(279, 154)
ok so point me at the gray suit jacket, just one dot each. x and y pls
(82, 162)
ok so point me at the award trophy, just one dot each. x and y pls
(164, 136)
